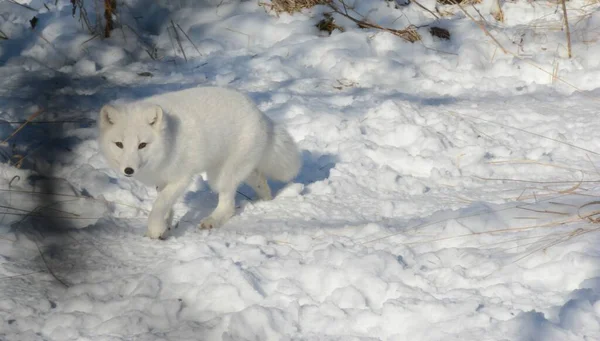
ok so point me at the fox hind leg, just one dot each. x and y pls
(258, 182)
(225, 181)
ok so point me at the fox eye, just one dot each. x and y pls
(142, 145)
(119, 144)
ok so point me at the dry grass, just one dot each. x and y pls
(409, 33)
(567, 29)
(328, 24)
(462, 2)
(496, 11)
(293, 6)
(566, 208)
(29, 119)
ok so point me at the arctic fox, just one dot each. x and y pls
(166, 140)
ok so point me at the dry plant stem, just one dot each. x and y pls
(538, 238)
(49, 268)
(425, 224)
(190, 40)
(409, 34)
(562, 182)
(148, 47)
(528, 61)
(88, 40)
(524, 228)
(567, 29)
(29, 214)
(425, 8)
(291, 6)
(527, 132)
(38, 215)
(546, 164)
(22, 275)
(590, 215)
(23, 5)
(35, 211)
(510, 229)
(497, 12)
(556, 242)
(178, 40)
(482, 27)
(30, 118)
(84, 16)
(15, 178)
(109, 8)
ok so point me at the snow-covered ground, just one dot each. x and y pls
(414, 154)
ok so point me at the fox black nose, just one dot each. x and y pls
(128, 170)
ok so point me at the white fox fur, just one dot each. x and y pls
(166, 140)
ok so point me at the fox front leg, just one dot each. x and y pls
(170, 213)
(161, 210)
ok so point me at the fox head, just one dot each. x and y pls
(130, 135)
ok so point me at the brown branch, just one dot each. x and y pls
(568, 30)
(425, 8)
(409, 34)
(481, 26)
(30, 118)
(109, 8)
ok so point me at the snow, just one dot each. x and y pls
(447, 190)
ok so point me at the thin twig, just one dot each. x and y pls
(172, 44)
(22, 275)
(48, 267)
(593, 165)
(83, 16)
(10, 183)
(23, 5)
(148, 46)
(47, 122)
(178, 40)
(568, 30)
(30, 118)
(190, 40)
(528, 132)
(39, 215)
(426, 224)
(425, 8)
(481, 26)
(88, 40)
(244, 195)
(409, 34)
(559, 182)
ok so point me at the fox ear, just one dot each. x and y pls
(108, 116)
(155, 117)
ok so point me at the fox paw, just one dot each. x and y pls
(154, 235)
(156, 231)
(209, 223)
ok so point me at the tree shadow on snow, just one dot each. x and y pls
(47, 148)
